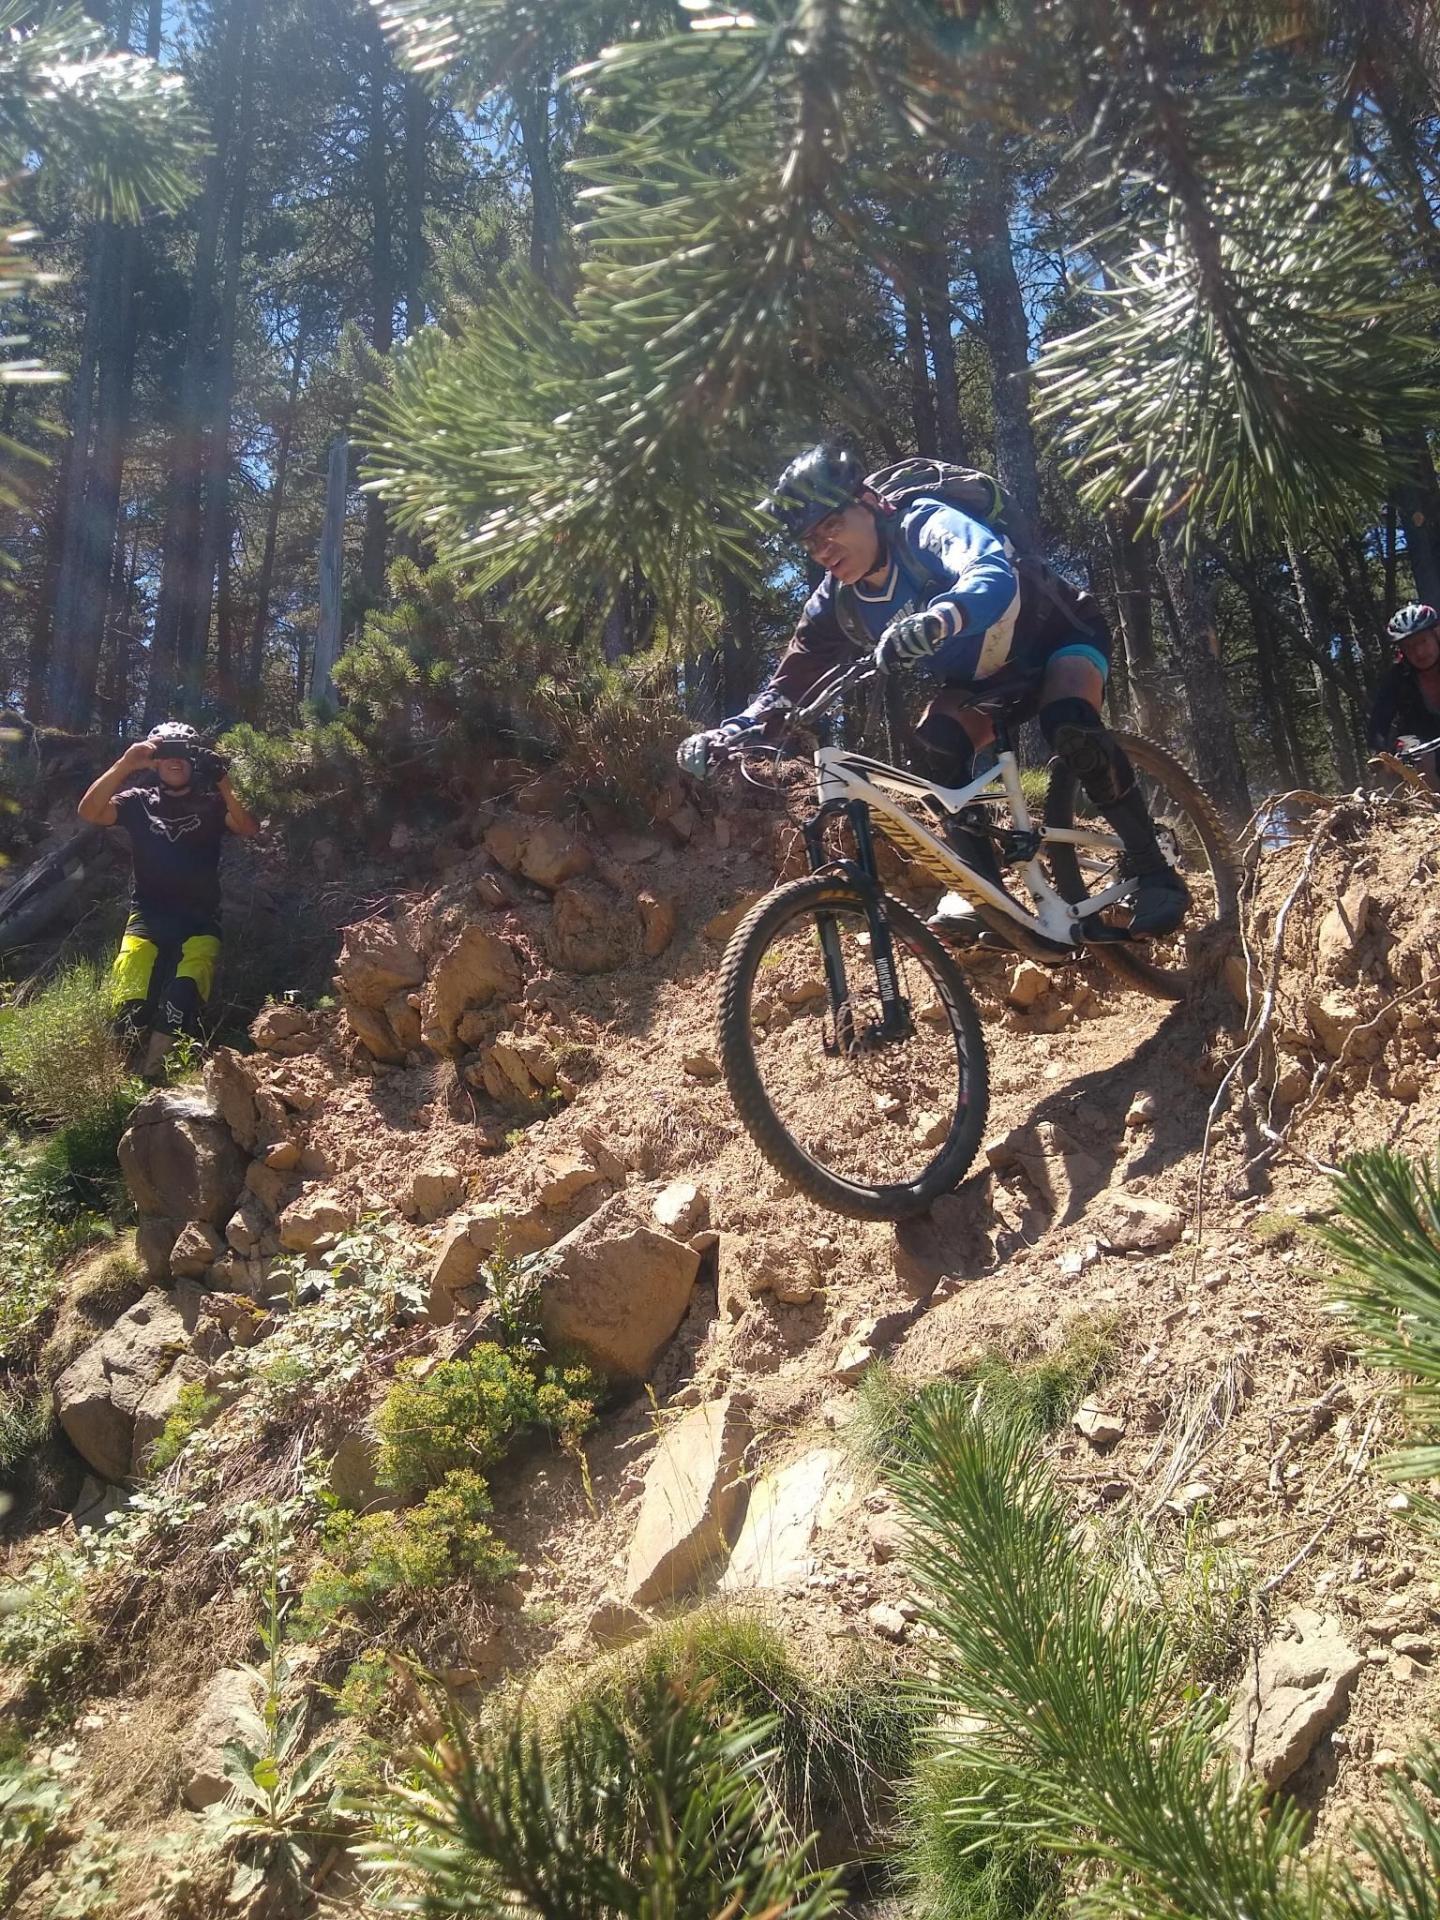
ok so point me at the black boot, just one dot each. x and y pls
(955, 919)
(1161, 896)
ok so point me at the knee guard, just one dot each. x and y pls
(1076, 734)
(943, 749)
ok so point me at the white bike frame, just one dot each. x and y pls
(845, 776)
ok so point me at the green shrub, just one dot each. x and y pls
(195, 1407)
(75, 1170)
(378, 1556)
(662, 1811)
(839, 1741)
(464, 1413)
(59, 1054)
(25, 1421)
(957, 1867)
(1041, 1391)
(47, 1633)
(39, 1231)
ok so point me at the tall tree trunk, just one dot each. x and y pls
(922, 396)
(58, 699)
(179, 583)
(935, 294)
(1132, 560)
(265, 586)
(531, 98)
(218, 528)
(1007, 341)
(1327, 685)
(1212, 720)
(1418, 498)
(1391, 557)
(332, 547)
(417, 133)
(382, 289)
(1274, 684)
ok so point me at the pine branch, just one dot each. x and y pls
(1073, 1695)
(658, 1815)
(116, 125)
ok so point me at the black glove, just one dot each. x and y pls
(914, 636)
(208, 768)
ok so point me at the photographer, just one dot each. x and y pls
(176, 813)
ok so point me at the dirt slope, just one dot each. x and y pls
(1233, 1387)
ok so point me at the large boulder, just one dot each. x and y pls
(375, 1032)
(98, 1396)
(180, 1163)
(376, 960)
(692, 1502)
(785, 1511)
(474, 970)
(616, 1291)
(286, 1030)
(552, 856)
(314, 1220)
(231, 1085)
(591, 930)
(1294, 1692)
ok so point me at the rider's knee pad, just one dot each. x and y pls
(1075, 732)
(943, 749)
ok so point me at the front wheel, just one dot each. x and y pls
(872, 1125)
(1193, 840)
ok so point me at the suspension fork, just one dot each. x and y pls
(894, 1008)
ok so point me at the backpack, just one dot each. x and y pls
(904, 482)
(920, 478)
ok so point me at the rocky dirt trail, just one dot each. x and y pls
(522, 1058)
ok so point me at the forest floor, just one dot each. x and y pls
(1238, 1437)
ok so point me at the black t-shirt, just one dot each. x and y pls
(1400, 707)
(175, 841)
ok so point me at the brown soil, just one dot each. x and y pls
(1232, 1375)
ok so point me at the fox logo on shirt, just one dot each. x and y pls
(175, 826)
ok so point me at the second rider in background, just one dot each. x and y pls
(932, 589)
(1406, 710)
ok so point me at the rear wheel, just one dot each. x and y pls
(1194, 841)
(870, 1126)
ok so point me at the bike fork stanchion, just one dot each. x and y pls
(894, 1020)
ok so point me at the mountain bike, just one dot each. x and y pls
(849, 1039)
(1411, 767)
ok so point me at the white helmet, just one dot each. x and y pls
(1416, 618)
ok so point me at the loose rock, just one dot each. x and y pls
(682, 1209)
(1297, 1689)
(691, 1503)
(616, 1291)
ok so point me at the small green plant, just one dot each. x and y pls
(839, 1740)
(1205, 1592)
(1389, 1243)
(34, 1806)
(464, 1413)
(364, 1693)
(283, 1803)
(196, 1407)
(960, 1867)
(1275, 1231)
(59, 1054)
(25, 1420)
(1041, 1391)
(47, 1632)
(370, 1558)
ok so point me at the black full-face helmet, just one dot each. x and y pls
(173, 740)
(817, 483)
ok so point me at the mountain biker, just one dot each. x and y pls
(1406, 709)
(929, 587)
(177, 809)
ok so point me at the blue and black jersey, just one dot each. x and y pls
(1006, 616)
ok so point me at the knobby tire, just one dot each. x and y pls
(751, 940)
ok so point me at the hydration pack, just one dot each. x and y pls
(975, 493)
(1045, 596)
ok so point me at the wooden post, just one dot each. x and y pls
(332, 553)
